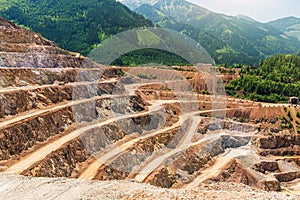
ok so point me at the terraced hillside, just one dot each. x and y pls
(65, 116)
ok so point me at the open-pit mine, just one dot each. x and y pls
(69, 125)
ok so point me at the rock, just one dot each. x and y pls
(265, 166)
(287, 176)
(163, 179)
(278, 141)
(213, 127)
(271, 185)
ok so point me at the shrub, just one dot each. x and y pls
(298, 114)
(271, 133)
(147, 76)
(289, 115)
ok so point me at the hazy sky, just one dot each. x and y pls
(261, 10)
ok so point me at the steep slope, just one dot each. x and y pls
(243, 36)
(214, 46)
(74, 25)
(289, 26)
(209, 42)
(23, 48)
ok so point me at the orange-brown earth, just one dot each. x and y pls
(62, 115)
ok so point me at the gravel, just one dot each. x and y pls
(19, 187)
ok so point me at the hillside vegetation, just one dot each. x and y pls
(228, 39)
(74, 25)
(289, 26)
(277, 78)
(150, 57)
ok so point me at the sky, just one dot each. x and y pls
(261, 10)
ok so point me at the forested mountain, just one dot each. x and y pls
(74, 25)
(213, 45)
(244, 39)
(277, 78)
(289, 26)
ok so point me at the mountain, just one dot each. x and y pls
(289, 26)
(74, 25)
(244, 39)
(214, 46)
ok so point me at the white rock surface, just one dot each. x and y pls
(19, 187)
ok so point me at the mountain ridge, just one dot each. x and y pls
(244, 37)
(288, 25)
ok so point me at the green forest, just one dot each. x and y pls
(74, 25)
(228, 39)
(150, 56)
(275, 80)
(81, 25)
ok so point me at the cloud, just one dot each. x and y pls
(263, 10)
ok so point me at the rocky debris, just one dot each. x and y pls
(219, 146)
(10, 33)
(137, 154)
(281, 144)
(294, 160)
(226, 125)
(16, 77)
(234, 141)
(287, 151)
(287, 176)
(16, 187)
(190, 161)
(63, 162)
(19, 101)
(257, 114)
(239, 173)
(22, 136)
(25, 134)
(240, 127)
(60, 163)
(278, 141)
(163, 178)
(271, 184)
(39, 60)
(22, 48)
(213, 127)
(266, 166)
(193, 160)
(235, 172)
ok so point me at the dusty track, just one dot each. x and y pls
(92, 165)
(105, 159)
(28, 115)
(215, 169)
